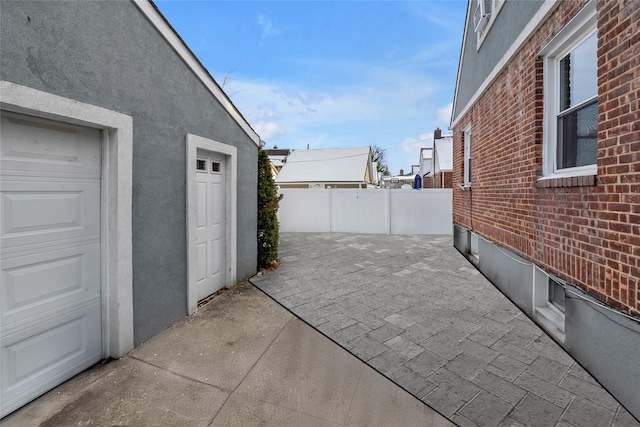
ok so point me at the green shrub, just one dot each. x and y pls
(268, 203)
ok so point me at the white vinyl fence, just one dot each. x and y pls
(375, 211)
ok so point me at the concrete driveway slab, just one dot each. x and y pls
(224, 340)
(242, 411)
(285, 374)
(379, 402)
(134, 393)
(315, 377)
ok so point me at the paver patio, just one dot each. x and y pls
(414, 309)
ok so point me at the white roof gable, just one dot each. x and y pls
(443, 149)
(329, 165)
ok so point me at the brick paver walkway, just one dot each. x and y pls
(414, 309)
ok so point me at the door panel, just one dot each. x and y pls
(211, 233)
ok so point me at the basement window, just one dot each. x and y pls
(556, 295)
(549, 304)
(474, 245)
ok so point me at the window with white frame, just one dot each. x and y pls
(484, 15)
(571, 98)
(466, 132)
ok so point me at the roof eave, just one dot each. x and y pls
(157, 19)
(462, 46)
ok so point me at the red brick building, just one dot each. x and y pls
(546, 201)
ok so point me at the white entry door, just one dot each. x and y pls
(50, 255)
(210, 231)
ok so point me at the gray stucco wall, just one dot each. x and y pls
(477, 64)
(107, 54)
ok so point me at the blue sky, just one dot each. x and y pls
(331, 74)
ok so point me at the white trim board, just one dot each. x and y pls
(178, 45)
(539, 18)
(116, 199)
(230, 152)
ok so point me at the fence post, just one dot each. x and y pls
(330, 206)
(387, 203)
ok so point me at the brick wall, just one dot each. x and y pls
(585, 230)
(442, 180)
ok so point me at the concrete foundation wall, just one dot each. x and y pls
(510, 273)
(607, 344)
(604, 341)
(108, 54)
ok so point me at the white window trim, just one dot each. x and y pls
(580, 27)
(117, 161)
(468, 140)
(496, 6)
(474, 242)
(230, 154)
(536, 22)
(551, 318)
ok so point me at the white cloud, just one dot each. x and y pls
(268, 130)
(444, 114)
(266, 112)
(267, 27)
(380, 94)
(413, 145)
(371, 105)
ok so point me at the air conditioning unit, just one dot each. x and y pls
(481, 15)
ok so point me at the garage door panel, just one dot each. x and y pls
(50, 255)
(34, 285)
(37, 212)
(40, 145)
(49, 355)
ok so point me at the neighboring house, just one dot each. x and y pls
(375, 175)
(442, 161)
(277, 158)
(547, 171)
(128, 187)
(426, 162)
(328, 168)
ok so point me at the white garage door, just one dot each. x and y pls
(51, 316)
(210, 232)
